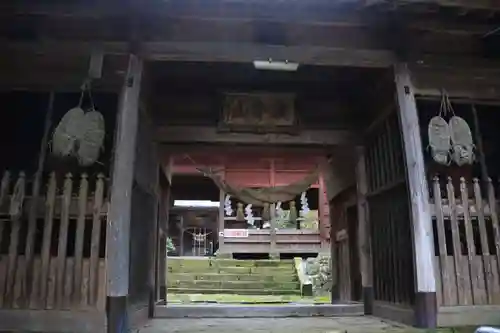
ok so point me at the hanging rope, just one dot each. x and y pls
(258, 197)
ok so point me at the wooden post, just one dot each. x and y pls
(364, 246)
(323, 211)
(162, 239)
(423, 251)
(119, 215)
(273, 254)
(335, 293)
(181, 236)
(27, 275)
(162, 274)
(154, 235)
(222, 197)
(480, 149)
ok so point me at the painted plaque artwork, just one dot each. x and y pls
(258, 111)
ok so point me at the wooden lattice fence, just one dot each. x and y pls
(466, 242)
(51, 246)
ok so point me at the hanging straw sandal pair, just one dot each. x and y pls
(452, 140)
(80, 133)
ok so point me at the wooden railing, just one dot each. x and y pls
(50, 244)
(466, 242)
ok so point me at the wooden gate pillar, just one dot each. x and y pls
(364, 244)
(162, 267)
(423, 251)
(119, 215)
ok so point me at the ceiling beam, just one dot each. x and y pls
(311, 10)
(180, 150)
(248, 52)
(169, 20)
(465, 4)
(210, 135)
(213, 52)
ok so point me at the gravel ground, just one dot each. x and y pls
(271, 325)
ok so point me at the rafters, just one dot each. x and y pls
(463, 5)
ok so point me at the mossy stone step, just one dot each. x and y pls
(281, 278)
(251, 263)
(232, 270)
(202, 284)
(212, 262)
(257, 270)
(245, 299)
(234, 291)
(248, 277)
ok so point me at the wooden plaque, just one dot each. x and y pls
(261, 112)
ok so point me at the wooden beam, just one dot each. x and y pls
(28, 69)
(312, 10)
(364, 231)
(245, 53)
(215, 52)
(423, 246)
(466, 4)
(214, 150)
(119, 216)
(210, 135)
(248, 52)
(469, 78)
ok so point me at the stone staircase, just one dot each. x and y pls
(188, 275)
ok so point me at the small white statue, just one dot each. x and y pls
(304, 209)
(249, 214)
(227, 206)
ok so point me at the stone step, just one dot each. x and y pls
(212, 262)
(232, 277)
(206, 284)
(273, 311)
(252, 263)
(234, 291)
(232, 270)
(220, 276)
(257, 270)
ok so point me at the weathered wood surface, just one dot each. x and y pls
(285, 241)
(417, 183)
(210, 135)
(221, 220)
(59, 277)
(52, 320)
(29, 249)
(466, 255)
(487, 5)
(118, 226)
(223, 52)
(462, 78)
(389, 216)
(363, 220)
(344, 269)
